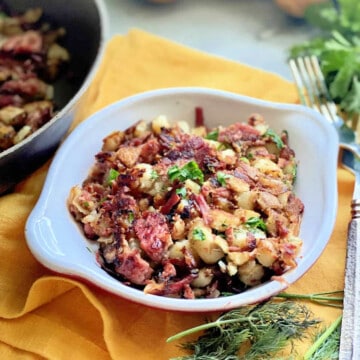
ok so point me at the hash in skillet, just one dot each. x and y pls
(192, 213)
(31, 59)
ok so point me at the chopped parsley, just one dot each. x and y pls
(181, 192)
(190, 171)
(212, 135)
(245, 159)
(256, 223)
(221, 178)
(337, 47)
(131, 217)
(198, 234)
(275, 138)
(154, 175)
(113, 174)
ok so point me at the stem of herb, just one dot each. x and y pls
(322, 338)
(322, 298)
(202, 327)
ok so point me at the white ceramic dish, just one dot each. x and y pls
(57, 242)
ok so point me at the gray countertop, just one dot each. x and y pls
(253, 32)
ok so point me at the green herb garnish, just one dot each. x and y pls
(338, 49)
(275, 138)
(154, 175)
(113, 174)
(256, 223)
(181, 192)
(212, 135)
(245, 159)
(131, 217)
(198, 234)
(221, 178)
(190, 171)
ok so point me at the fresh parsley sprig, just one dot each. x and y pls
(338, 49)
(191, 171)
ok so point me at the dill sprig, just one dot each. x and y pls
(326, 344)
(250, 332)
(330, 298)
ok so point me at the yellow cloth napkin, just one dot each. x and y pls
(44, 315)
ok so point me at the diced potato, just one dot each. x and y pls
(283, 198)
(128, 155)
(296, 242)
(272, 148)
(192, 186)
(245, 214)
(268, 167)
(251, 273)
(199, 131)
(159, 123)
(268, 201)
(231, 269)
(32, 15)
(203, 242)
(158, 190)
(204, 278)
(141, 128)
(222, 243)
(7, 134)
(262, 128)
(146, 180)
(79, 201)
(176, 250)
(239, 237)
(213, 143)
(12, 115)
(221, 220)
(184, 126)
(106, 240)
(266, 253)
(178, 229)
(57, 54)
(113, 141)
(289, 250)
(228, 156)
(237, 185)
(246, 199)
(24, 132)
(37, 105)
(239, 257)
(274, 218)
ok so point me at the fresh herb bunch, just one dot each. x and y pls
(250, 332)
(262, 331)
(338, 48)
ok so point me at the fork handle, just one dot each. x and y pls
(350, 327)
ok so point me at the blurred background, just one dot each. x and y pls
(255, 32)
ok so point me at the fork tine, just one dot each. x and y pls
(311, 81)
(318, 74)
(311, 86)
(298, 82)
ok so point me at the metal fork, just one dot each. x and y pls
(313, 93)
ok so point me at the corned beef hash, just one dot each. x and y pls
(192, 212)
(31, 59)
